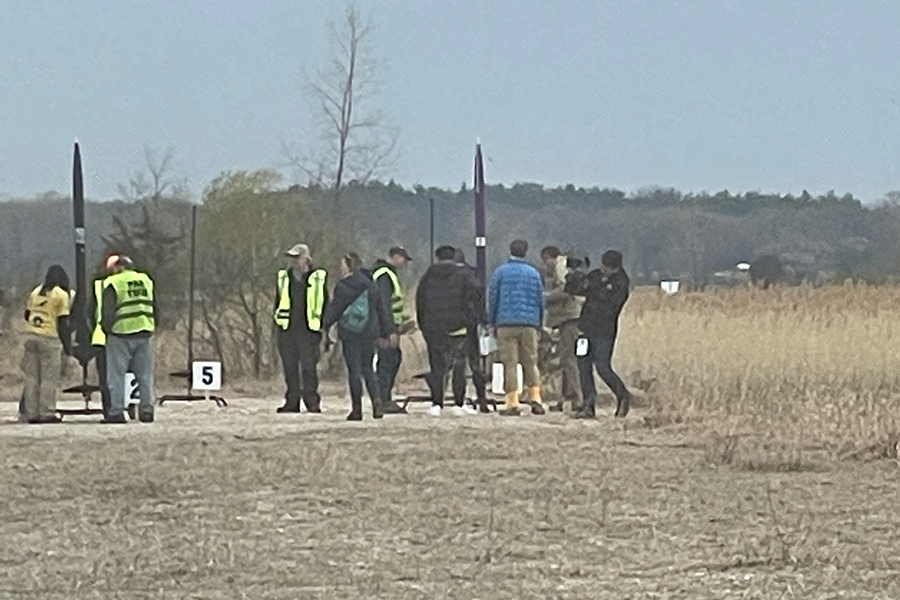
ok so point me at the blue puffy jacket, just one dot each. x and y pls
(516, 295)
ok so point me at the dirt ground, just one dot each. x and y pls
(237, 502)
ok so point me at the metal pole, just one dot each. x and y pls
(191, 287)
(431, 226)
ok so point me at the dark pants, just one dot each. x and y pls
(445, 353)
(473, 355)
(300, 352)
(100, 362)
(389, 360)
(358, 354)
(599, 355)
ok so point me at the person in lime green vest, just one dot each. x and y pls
(128, 318)
(387, 279)
(98, 338)
(301, 297)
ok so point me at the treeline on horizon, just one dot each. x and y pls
(662, 232)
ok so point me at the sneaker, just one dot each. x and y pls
(509, 412)
(623, 406)
(537, 409)
(145, 417)
(586, 412)
(114, 420)
(558, 407)
(392, 408)
(45, 419)
(377, 413)
(435, 410)
(288, 408)
(354, 416)
(469, 410)
(132, 411)
(463, 411)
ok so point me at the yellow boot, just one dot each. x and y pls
(534, 398)
(512, 405)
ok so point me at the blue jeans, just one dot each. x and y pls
(135, 354)
(599, 355)
(358, 354)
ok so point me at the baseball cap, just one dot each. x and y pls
(298, 250)
(401, 251)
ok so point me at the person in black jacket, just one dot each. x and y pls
(478, 317)
(359, 336)
(606, 291)
(444, 311)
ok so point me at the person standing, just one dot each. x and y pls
(46, 333)
(98, 338)
(477, 318)
(362, 320)
(444, 311)
(516, 313)
(387, 278)
(562, 312)
(606, 291)
(129, 315)
(301, 299)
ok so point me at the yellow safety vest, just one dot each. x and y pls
(98, 338)
(396, 293)
(315, 299)
(134, 302)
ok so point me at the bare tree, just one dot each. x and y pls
(359, 141)
(157, 181)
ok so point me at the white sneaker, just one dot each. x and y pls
(464, 411)
(435, 410)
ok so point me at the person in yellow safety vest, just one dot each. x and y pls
(98, 338)
(301, 297)
(128, 320)
(385, 274)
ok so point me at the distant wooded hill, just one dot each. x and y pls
(662, 232)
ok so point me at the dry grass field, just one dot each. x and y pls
(761, 463)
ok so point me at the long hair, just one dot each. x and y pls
(55, 277)
(353, 262)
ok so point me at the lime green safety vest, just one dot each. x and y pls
(134, 302)
(98, 338)
(315, 299)
(396, 292)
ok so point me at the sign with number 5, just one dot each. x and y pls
(206, 375)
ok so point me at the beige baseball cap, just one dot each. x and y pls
(299, 250)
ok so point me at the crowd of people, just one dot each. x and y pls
(459, 319)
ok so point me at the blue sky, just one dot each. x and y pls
(700, 95)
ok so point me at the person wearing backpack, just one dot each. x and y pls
(362, 320)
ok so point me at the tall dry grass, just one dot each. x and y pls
(810, 366)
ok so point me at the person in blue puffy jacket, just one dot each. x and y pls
(516, 314)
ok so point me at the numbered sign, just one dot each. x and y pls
(670, 287)
(206, 375)
(582, 346)
(132, 393)
(497, 378)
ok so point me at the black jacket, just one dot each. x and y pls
(604, 298)
(349, 289)
(479, 307)
(445, 299)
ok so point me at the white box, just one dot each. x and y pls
(206, 375)
(497, 378)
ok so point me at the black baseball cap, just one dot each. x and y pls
(401, 251)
